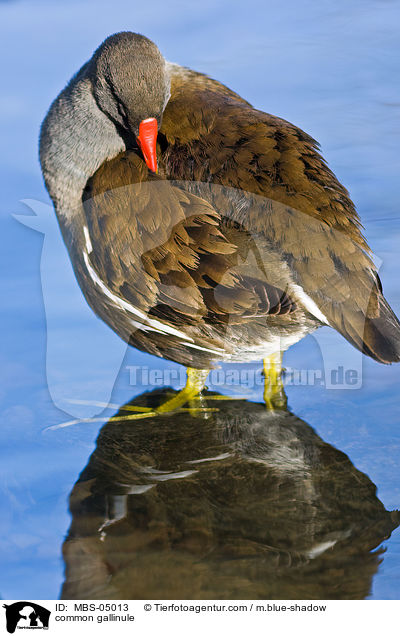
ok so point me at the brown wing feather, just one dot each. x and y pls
(173, 262)
(289, 196)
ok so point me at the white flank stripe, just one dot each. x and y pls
(308, 302)
(88, 242)
(211, 459)
(168, 476)
(194, 346)
(151, 325)
(320, 548)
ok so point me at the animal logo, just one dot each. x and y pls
(26, 615)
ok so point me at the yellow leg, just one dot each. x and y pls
(195, 381)
(274, 392)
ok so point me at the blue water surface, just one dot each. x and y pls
(329, 67)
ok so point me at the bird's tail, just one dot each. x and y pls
(381, 339)
(378, 336)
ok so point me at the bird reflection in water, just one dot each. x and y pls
(236, 503)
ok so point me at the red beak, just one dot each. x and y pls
(147, 141)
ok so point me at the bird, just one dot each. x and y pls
(199, 228)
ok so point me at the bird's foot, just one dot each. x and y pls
(189, 395)
(274, 392)
(195, 382)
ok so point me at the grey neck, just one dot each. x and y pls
(75, 139)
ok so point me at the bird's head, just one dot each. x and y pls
(132, 87)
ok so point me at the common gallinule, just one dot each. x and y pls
(199, 228)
